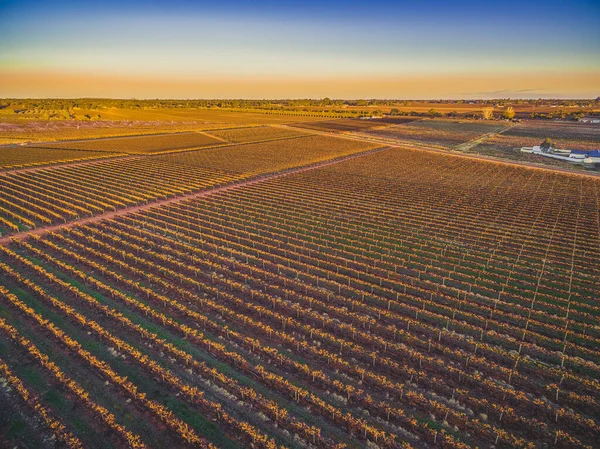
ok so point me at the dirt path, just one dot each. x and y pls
(128, 210)
(466, 146)
(205, 133)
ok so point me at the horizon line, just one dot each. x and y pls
(300, 98)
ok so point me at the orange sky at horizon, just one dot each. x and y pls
(566, 84)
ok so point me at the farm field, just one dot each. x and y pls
(60, 194)
(569, 136)
(142, 144)
(443, 133)
(36, 131)
(255, 133)
(21, 156)
(385, 301)
(115, 122)
(299, 225)
(264, 157)
(560, 131)
(345, 125)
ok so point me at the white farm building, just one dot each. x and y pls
(574, 156)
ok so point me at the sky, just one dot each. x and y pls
(405, 49)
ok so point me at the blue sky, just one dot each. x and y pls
(360, 42)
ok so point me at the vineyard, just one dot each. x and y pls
(558, 131)
(43, 125)
(345, 125)
(60, 194)
(443, 133)
(273, 156)
(48, 196)
(142, 144)
(21, 157)
(386, 298)
(255, 133)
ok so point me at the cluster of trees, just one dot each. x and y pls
(57, 104)
(547, 144)
(487, 113)
(560, 114)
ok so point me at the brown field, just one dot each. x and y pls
(256, 158)
(36, 131)
(252, 134)
(565, 133)
(445, 133)
(341, 125)
(401, 300)
(127, 122)
(214, 117)
(143, 144)
(568, 136)
(60, 194)
(300, 292)
(21, 156)
(50, 195)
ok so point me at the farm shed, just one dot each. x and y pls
(579, 154)
(593, 157)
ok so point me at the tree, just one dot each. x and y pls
(433, 113)
(488, 113)
(509, 113)
(547, 144)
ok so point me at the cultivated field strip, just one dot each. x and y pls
(61, 194)
(193, 394)
(349, 125)
(254, 133)
(21, 157)
(65, 193)
(363, 373)
(271, 156)
(412, 281)
(442, 133)
(141, 144)
(355, 333)
(413, 284)
(403, 299)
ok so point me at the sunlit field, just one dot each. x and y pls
(299, 225)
